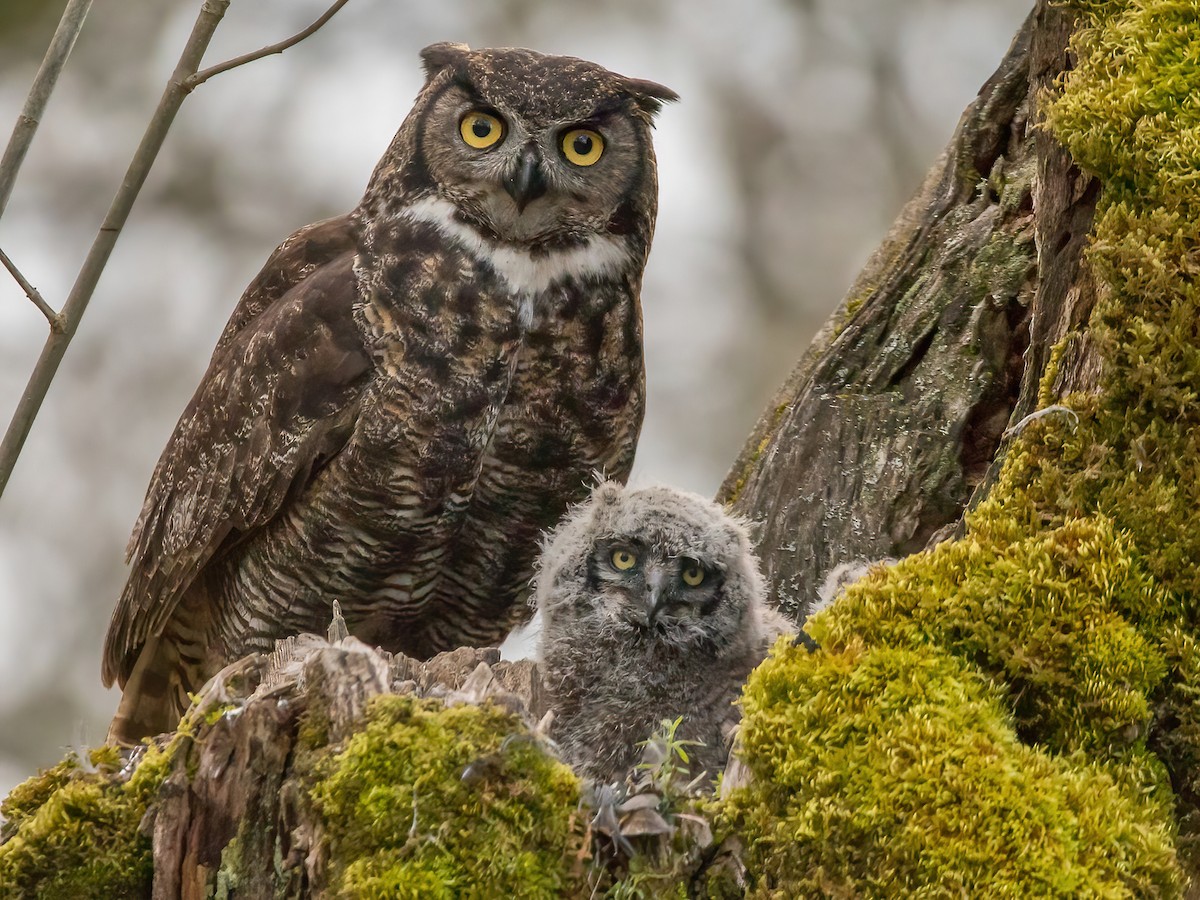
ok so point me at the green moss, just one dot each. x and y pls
(910, 781)
(1046, 396)
(1047, 614)
(1000, 267)
(429, 801)
(72, 831)
(845, 315)
(1130, 111)
(1018, 712)
(1013, 182)
(214, 715)
(853, 305)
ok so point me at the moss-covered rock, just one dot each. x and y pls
(72, 831)
(432, 801)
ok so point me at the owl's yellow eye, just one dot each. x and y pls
(582, 146)
(693, 575)
(623, 560)
(481, 130)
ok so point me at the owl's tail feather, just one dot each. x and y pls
(155, 695)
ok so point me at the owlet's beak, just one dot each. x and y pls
(525, 183)
(654, 594)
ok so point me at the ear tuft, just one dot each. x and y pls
(649, 95)
(438, 56)
(607, 494)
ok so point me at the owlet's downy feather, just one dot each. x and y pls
(652, 608)
(408, 395)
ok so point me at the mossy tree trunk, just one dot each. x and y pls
(1018, 369)
(896, 419)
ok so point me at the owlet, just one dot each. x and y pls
(652, 608)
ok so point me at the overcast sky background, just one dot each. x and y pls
(803, 127)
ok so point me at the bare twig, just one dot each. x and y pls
(184, 79)
(68, 30)
(32, 293)
(210, 16)
(200, 77)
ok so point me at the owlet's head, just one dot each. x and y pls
(530, 149)
(656, 561)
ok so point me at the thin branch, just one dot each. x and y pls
(184, 79)
(200, 77)
(68, 30)
(32, 293)
(55, 347)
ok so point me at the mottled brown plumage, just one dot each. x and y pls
(406, 396)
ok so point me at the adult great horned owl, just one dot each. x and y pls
(652, 608)
(406, 396)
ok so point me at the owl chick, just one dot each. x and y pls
(408, 395)
(653, 608)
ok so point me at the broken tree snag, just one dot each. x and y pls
(896, 414)
(332, 769)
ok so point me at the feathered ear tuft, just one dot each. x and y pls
(438, 56)
(648, 95)
(607, 494)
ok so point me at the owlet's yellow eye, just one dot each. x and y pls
(623, 560)
(481, 130)
(582, 146)
(693, 575)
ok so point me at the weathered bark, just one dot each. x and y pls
(244, 776)
(895, 417)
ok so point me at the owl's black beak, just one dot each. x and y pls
(525, 183)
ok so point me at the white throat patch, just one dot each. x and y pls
(525, 274)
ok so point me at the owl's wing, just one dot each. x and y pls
(300, 254)
(279, 399)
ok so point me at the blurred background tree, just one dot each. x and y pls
(804, 126)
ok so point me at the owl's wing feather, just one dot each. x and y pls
(300, 254)
(279, 399)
